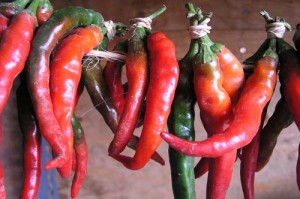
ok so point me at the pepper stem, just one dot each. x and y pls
(271, 51)
(33, 7)
(20, 4)
(157, 12)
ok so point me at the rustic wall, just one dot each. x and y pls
(237, 24)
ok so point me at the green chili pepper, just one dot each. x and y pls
(181, 124)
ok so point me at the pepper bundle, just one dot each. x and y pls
(51, 53)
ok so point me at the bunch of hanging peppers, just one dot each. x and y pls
(49, 52)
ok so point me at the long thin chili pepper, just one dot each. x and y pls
(44, 11)
(256, 94)
(46, 38)
(181, 123)
(12, 8)
(289, 75)
(32, 142)
(164, 74)
(14, 49)
(97, 89)
(280, 119)
(65, 74)
(137, 72)
(4, 22)
(113, 77)
(81, 152)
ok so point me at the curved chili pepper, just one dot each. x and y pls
(113, 78)
(32, 142)
(44, 11)
(3, 24)
(164, 74)
(256, 94)
(97, 89)
(289, 75)
(65, 74)
(181, 123)
(280, 119)
(12, 8)
(14, 49)
(81, 152)
(137, 72)
(38, 72)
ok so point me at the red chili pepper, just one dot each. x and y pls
(233, 73)
(14, 49)
(81, 152)
(137, 72)
(113, 77)
(32, 143)
(44, 11)
(61, 22)
(164, 73)
(2, 186)
(3, 24)
(256, 94)
(65, 74)
(289, 75)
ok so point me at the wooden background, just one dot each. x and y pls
(235, 23)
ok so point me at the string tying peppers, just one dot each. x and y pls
(164, 73)
(137, 72)
(38, 72)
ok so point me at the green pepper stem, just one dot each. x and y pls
(33, 7)
(157, 12)
(271, 51)
(47, 4)
(20, 4)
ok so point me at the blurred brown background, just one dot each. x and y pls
(235, 23)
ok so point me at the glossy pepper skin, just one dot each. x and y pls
(137, 72)
(2, 185)
(97, 89)
(81, 153)
(113, 78)
(32, 142)
(12, 8)
(38, 72)
(4, 21)
(181, 123)
(44, 11)
(14, 49)
(279, 120)
(164, 74)
(290, 79)
(256, 94)
(65, 74)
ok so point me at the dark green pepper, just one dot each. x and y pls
(181, 123)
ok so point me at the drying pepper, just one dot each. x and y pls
(137, 72)
(65, 74)
(113, 77)
(12, 8)
(164, 73)
(181, 123)
(81, 153)
(14, 49)
(256, 93)
(46, 38)
(32, 142)
(44, 11)
(279, 120)
(97, 89)
(2, 185)
(3, 24)
(289, 75)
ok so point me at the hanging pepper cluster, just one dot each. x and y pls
(55, 54)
